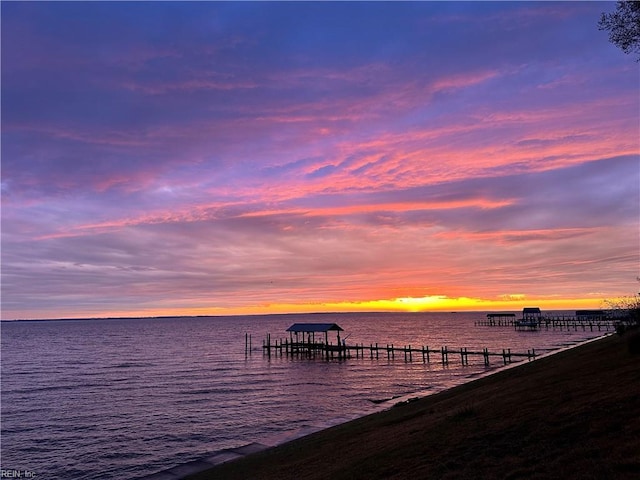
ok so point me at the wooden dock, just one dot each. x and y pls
(534, 319)
(561, 322)
(328, 351)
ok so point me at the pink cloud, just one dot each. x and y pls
(505, 237)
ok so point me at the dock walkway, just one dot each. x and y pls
(410, 353)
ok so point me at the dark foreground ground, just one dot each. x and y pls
(573, 415)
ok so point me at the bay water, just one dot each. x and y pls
(126, 398)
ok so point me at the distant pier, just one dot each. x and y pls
(533, 319)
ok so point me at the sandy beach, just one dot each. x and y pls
(574, 414)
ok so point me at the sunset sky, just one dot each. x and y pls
(228, 158)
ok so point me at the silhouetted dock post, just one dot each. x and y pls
(445, 355)
(464, 356)
(506, 356)
(407, 351)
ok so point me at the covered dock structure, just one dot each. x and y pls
(531, 318)
(310, 329)
(310, 339)
(531, 314)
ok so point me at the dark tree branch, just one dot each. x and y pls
(623, 26)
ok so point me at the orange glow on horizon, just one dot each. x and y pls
(435, 303)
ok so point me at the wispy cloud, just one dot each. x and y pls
(231, 156)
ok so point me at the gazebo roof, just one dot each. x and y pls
(531, 310)
(313, 327)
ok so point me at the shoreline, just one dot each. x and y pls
(218, 457)
(542, 418)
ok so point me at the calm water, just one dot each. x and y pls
(127, 398)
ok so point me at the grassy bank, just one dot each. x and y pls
(575, 414)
